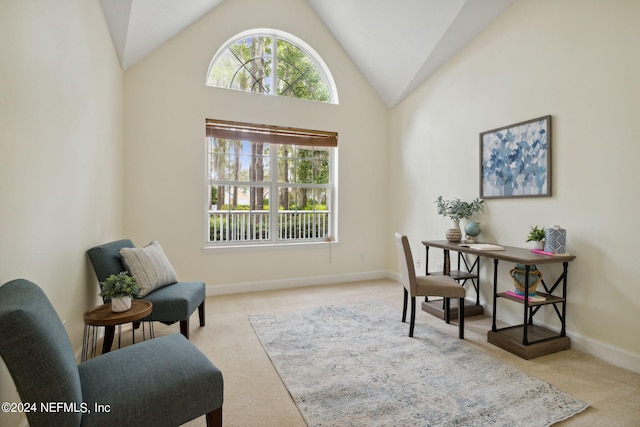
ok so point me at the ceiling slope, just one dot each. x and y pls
(140, 26)
(396, 45)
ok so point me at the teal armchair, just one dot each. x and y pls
(172, 303)
(164, 381)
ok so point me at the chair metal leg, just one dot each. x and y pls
(461, 318)
(214, 418)
(201, 313)
(447, 310)
(413, 316)
(184, 328)
(404, 306)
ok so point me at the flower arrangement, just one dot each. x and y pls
(456, 209)
(118, 286)
(536, 234)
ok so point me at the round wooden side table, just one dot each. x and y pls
(103, 316)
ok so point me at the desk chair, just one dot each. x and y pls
(165, 381)
(441, 286)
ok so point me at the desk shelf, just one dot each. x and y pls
(550, 299)
(435, 308)
(526, 340)
(543, 341)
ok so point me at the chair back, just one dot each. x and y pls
(106, 260)
(38, 354)
(405, 261)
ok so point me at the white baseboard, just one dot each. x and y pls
(606, 352)
(597, 349)
(272, 285)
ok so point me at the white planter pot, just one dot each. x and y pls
(538, 244)
(120, 304)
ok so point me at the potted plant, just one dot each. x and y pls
(456, 210)
(119, 288)
(536, 235)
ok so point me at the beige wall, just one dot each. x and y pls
(62, 121)
(61, 126)
(166, 103)
(579, 62)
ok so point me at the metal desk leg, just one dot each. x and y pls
(495, 292)
(525, 324)
(563, 331)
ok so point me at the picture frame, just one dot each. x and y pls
(515, 160)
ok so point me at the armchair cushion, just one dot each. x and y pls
(165, 381)
(149, 266)
(176, 302)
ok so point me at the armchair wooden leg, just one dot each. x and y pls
(404, 306)
(214, 418)
(461, 318)
(201, 313)
(107, 342)
(413, 316)
(184, 328)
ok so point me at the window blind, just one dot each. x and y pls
(270, 134)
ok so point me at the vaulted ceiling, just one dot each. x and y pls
(412, 37)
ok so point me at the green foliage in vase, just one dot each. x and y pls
(119, 285)
(456, 209)
(536, 234)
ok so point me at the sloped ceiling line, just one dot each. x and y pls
(412, 38)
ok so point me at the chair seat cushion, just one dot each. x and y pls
(165, 381)
(440, 286)
(149, 266)
(176, 302)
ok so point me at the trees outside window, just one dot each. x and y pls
(269, 184)
(274, 63)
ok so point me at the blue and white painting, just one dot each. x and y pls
(515, 160)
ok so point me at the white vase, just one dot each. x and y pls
(538, 244)
(120, 304)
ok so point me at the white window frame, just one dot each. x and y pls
(290, 38)
(274, 186)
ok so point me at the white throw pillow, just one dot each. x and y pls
(149, 266)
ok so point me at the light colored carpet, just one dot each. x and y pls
(255, 396)
(354, 365)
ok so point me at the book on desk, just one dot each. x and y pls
(532, 298)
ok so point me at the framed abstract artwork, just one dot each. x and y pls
(515, 160)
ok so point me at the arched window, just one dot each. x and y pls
(248, 62)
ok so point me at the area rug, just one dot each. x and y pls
(354, 365)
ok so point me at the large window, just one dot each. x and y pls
(268, 184)
(274, 63)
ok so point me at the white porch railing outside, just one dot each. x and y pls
(244, 225)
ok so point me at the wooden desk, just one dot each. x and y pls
(103, 316)
(526, 340)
